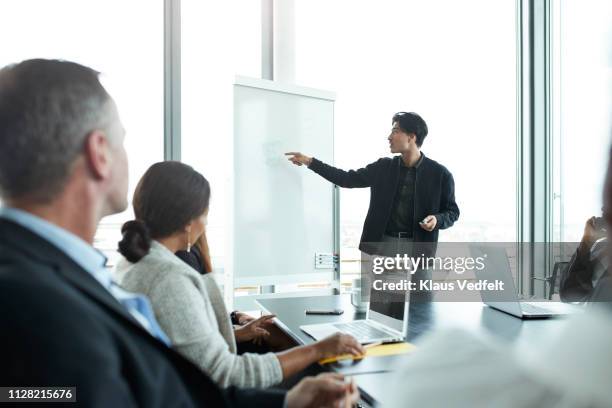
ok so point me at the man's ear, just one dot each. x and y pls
(98, 154)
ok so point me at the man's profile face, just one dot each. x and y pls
(121, 173)
(400, 141)
(118, 183)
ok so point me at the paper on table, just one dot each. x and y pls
(381, 350)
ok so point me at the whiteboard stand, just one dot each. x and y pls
(288, 217)
(336, 283)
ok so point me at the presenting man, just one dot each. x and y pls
(64, 323)
(412, 196)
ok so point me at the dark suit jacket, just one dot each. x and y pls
(576, 281)
(434, 188)
(60, 327)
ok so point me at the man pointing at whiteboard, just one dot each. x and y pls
(412, 196)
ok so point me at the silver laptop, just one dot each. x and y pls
(498, 268)
(386, 321)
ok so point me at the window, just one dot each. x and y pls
(122, 40)
(582, 102)
(452, 62)
(219, 41)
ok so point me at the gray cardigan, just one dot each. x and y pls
(190, 309)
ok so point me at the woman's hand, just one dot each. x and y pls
(337, 344)
(253, 329)
(243, 318)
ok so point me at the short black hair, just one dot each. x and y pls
(411, 122)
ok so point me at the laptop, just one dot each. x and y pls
(498, 268)
(386, 321)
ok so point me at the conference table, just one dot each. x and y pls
(373, 374)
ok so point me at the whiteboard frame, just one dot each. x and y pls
(275, 279)
(285, 88)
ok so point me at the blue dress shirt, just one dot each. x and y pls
(91, 260)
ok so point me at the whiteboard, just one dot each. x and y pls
(282, 214)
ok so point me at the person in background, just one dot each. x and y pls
(171, 206)
(63, 167)
(198, 257)
(588, 265)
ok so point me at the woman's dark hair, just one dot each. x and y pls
(411, 122)
(136, 240)
(167, 197)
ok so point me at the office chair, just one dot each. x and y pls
(554, 279)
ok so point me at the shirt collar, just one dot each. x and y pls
(74, 247)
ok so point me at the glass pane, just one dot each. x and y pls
(453, 63)
(583, 102)
(121, 39)
(219, 41)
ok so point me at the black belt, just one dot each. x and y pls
(399, 234)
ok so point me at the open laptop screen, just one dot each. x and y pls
(388, 303)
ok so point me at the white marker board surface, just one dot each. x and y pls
(282, 214)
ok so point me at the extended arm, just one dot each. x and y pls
(363, 177)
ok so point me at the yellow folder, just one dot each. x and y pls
(380, 350)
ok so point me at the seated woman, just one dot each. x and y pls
(249, 332)
(171, 205)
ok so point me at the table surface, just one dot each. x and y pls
(373, 374)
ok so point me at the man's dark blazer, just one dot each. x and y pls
(60, 327)
(434, 195)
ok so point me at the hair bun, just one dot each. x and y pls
(136, 241)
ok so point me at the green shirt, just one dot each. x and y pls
(402, 215)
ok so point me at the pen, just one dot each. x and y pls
(376, 343)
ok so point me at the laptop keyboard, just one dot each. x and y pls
(361, 330)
